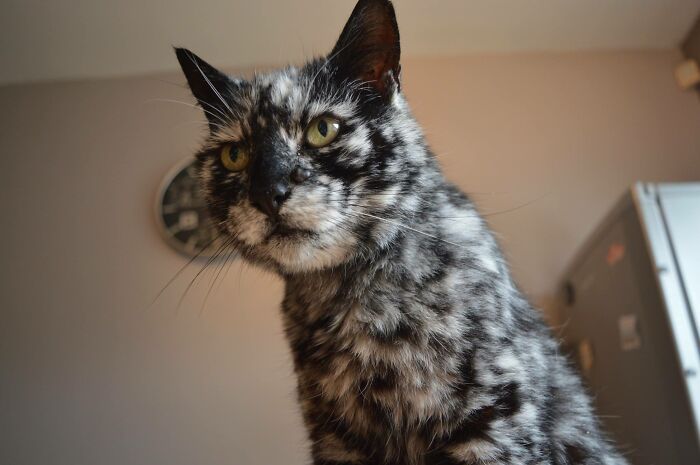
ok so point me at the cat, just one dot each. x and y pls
(411, 343)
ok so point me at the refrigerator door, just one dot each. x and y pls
(670, 219)
(632, 322)
(680, 205)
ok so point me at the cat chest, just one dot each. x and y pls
(369, 379)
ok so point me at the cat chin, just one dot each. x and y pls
(296, 251)
(303, 241)
(303, 254)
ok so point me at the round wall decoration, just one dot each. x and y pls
(182, 213)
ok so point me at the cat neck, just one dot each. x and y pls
(416, 245)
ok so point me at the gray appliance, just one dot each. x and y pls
(632, 322)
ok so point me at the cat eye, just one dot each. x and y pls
(234, 157)
(322, 131)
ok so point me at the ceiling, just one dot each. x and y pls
(67, 39)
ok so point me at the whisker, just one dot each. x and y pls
(232, 255)
(401, 225)
(221, 118)
(189, 55)
(216, 276)
(204, 267)
(326, 61)
(201, 123)
(182, 269)
(526, 204)
(476, 212)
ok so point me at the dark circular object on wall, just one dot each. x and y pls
(182, 213)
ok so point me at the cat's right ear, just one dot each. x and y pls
(369, 48)
(208, 85)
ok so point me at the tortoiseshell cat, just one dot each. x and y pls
(411, 343)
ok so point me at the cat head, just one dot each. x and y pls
(304, 167)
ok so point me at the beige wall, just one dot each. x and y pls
(564, 135)
(89, 373)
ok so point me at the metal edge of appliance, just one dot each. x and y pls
(646, 201)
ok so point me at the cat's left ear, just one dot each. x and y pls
(209, 85)
(368, 48)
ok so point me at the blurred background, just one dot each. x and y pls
(545, 111)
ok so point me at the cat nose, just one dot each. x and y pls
(270, 200)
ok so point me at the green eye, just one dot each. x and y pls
(234, 157)
(322, 131)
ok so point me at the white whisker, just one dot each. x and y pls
(401, 225)
(221, 118)
(189, 55)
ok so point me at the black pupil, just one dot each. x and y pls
(323, 128)
(233, 153)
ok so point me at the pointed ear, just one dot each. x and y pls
(368, 48)
(209, 85)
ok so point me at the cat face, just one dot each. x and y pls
(301, 164)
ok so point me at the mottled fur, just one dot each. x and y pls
(411, 343)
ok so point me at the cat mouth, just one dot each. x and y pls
(283, 231)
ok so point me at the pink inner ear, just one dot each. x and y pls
(375, 73)
(369, 47)
(385, 38)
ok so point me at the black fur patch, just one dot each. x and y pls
(408, 335)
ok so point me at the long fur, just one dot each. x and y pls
(411, 343)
